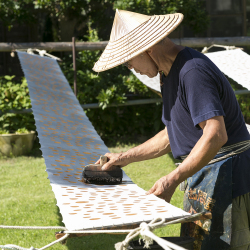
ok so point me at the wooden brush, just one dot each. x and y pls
(94, 174)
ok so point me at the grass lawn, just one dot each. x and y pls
(26, 199)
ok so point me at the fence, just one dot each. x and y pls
(67, 46)
(79, 46)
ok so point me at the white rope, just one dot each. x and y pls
(245, 145)
(42, 53)
(97, 231)
(206, 49)
(56, 241)
(15, 247)
(144, 230)
(180, 220)
(32, 227)
(147, 236)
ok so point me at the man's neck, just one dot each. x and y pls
(164, 55)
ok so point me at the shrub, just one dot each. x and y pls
(194, 11)
(14, 96)
(244, 100)
(113, 86)
(116, 86)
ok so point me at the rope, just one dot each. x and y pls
(15, 247)
(238, 151)
(206, 49)
(56, 241)
(31, 228)
(144, 230)
(147, 236)
(97, 231)
(42, 53)
(180, 220)
(245, 145)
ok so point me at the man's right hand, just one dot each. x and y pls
(114, 159)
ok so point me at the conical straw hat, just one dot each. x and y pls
(134, 33)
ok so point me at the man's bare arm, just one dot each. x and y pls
(152, 148)
(213, 138)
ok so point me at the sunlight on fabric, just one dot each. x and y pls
(68, 143)
(233, 63)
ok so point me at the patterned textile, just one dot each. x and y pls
(233, 63)
(68, 143)
(210, 189)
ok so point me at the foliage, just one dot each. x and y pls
(83, 12)
(22, 131)
(243, 100)
(14, 96)
(114, 86)
(194, 12)
(16, 11)
(4, 132)
(54, 11)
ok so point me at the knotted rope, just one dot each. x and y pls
(145, 230)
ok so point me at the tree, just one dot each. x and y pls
(195, 15)
(16, 11)
(99, 12)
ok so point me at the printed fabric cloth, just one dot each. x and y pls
(210, 190)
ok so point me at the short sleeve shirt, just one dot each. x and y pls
(195, 90)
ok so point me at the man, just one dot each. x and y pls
(204, 126)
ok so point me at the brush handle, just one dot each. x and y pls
(103, 160)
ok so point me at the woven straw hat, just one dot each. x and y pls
(134, 33)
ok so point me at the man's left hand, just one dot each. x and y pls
(164, 188)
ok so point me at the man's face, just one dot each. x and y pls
(143, 64)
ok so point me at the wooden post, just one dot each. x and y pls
(74, 63)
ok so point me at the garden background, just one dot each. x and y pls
(27, 198)
(92, 21)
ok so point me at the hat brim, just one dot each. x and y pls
(137, 41)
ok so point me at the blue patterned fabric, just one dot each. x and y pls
(210, 189)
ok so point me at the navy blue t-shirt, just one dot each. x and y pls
(195, 90)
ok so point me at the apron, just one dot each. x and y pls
(210, 190)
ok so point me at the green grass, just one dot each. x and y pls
(26, 199)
